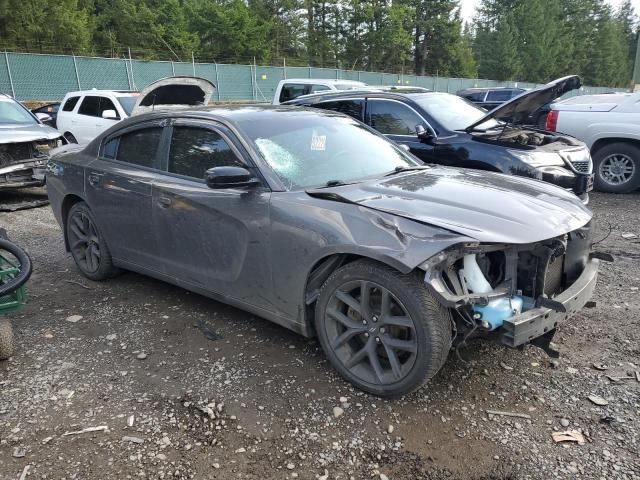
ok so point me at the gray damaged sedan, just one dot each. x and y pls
(25, 142)
(317, 223)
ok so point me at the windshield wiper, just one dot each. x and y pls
(405, 169)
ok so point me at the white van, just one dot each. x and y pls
(295, 87)
(85, 114)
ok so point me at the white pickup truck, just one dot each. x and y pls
(610, 126)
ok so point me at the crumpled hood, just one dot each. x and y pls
(486, 206)
(27, 133)
(517, 110)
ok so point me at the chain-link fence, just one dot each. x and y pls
(38, 77)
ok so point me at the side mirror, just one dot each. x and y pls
(229, 177)
(110, 114)
(43, 117)
(423, 134)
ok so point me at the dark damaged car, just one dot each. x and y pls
(25, 143)
(449, 130)
(316, 222)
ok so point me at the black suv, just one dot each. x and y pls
(490, 98)
(448, 130)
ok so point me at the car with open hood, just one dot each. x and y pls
(25, 142)
(86, 114)
(318, 223)
(449, 130)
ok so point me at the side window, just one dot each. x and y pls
(499, 95)
(195, 150)
(353, 108)
(318, 88)
(107, 104)
(90, 106)
(475, 96)
(138, 147)
(393, 118)
(70, 104)
(292, 90)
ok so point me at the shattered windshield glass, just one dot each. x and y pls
(310, 150)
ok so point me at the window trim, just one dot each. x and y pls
(414, 136)
(214, 126)
(123, 131)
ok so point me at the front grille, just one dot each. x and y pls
(582, 167)
(15, 152)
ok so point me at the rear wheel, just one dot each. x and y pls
(617, 168)
(87, 244)
(381, 330)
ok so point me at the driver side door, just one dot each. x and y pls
(216, 240)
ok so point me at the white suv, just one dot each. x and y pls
(84, 115)
(296, 87)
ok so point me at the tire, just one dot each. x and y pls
(415, 332)
(7, 341)
(88, 246)
(618, 158)
(70, 138)
(25, 267)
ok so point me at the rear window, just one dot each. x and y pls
(70, 104)
(293, 90)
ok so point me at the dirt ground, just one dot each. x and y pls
(185, 387)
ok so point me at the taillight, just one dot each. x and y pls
(552, 121)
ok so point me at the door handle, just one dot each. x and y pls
(164, 202)
(94, 179)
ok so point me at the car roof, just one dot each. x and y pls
(327, 81)
(371, 93)
(486, 89)
(98, 92)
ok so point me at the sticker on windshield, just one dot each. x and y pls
(318, 142)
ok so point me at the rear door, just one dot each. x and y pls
(88, 123)
(118, 188)
(215, 240)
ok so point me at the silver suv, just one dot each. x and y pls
(25, 142)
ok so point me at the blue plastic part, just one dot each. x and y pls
(497, 310)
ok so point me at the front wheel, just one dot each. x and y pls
(380, 329)
(617, 168)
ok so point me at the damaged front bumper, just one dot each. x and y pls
(521, 293)
(30, 173)
(531, 324)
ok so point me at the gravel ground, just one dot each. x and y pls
(181, 386)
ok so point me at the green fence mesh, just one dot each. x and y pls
(36, 77)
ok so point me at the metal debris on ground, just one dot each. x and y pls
(101, 428)
(508, 414)
(597, 400)
(618, 379)
(79, 284)
(14, 207)
(568, 436)
(25, 472)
